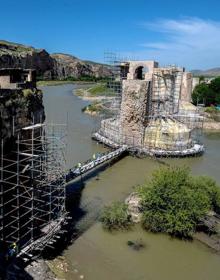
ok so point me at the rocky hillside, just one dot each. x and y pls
(48, 66)
(70, 66)
(214, 72)
(16, 55)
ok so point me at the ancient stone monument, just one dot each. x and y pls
(156, 116)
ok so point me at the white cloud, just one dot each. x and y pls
(190, 42)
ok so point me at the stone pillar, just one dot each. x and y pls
(186, 87)
(133, 110)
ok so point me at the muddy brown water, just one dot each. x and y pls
(98, 254)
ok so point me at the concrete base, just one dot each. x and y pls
(196, 149)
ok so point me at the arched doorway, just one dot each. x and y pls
(140, 72)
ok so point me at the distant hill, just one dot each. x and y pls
(48, 66)
(214, 72)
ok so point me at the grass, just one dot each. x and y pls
(98, 89)
(95, 108)
(59, 82)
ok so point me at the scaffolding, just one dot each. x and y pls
(118, 67)
(165, 92)
(32, 188)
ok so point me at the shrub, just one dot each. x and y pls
(27, 92)
(174, 202)
(210, 188)
(116, 216)
(211, 110)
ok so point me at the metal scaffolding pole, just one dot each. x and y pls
(32, 187)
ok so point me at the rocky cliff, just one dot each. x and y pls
(70, 66)
(18, 109)
(16, 55)
(54, 66)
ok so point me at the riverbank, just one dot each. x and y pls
(95, 108)
(96, 90)
(99, 96)
(38, 270)
(60, 83)
(211, 119)
(211, 125)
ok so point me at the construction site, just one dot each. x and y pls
(153, 115)
(32, 170)
(153, 110)
(33, 190)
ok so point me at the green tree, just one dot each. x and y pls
(203, 94)
(116, 216)
(201, 79)
(174, 202)
(215, 87)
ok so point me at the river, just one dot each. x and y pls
(97, 254)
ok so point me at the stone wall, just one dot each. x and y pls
(133, 109)
(186, 87)
(133, 65)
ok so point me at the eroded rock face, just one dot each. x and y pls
(134, 207)
(55, 66)
(69, 66)
(20, 56)
(18, 109)
(133, 110)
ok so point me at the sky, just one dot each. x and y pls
(185, 33)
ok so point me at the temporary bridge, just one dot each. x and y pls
(93, 163)
(33, 187)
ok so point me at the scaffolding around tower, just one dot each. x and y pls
(118, 67)
(155, 115)
(32, 188)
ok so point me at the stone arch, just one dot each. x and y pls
(140, 71)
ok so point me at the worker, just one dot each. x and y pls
(98, 155)
(70, 175)
(94, 156)
(12, 250)
(79, 165)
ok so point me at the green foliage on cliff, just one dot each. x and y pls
(115, 216)
(174, 201)
(209, 94)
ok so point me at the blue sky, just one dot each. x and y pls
(186, 32)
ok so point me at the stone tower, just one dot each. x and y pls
(135, 99)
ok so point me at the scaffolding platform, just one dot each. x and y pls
(32, 187)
